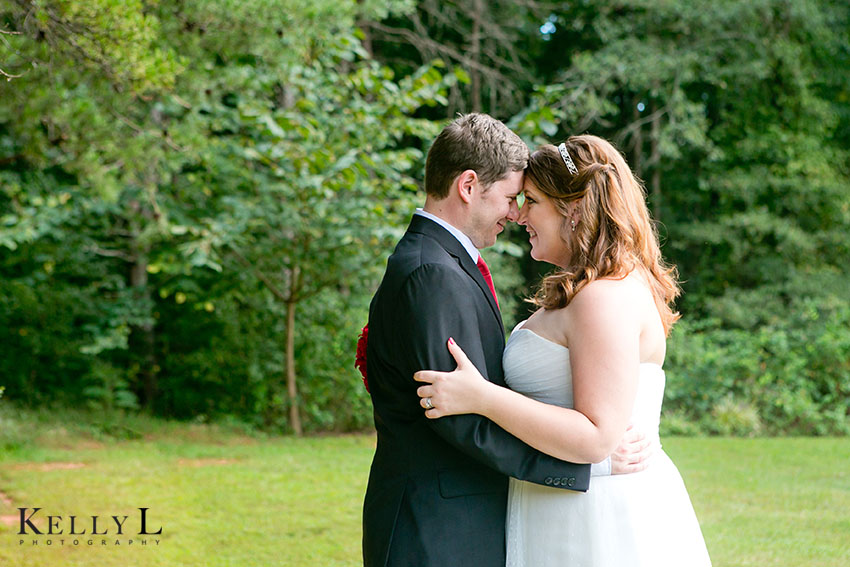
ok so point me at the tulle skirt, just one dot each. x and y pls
(643, 519)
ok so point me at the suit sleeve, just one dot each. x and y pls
(436, 304)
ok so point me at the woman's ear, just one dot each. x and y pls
(575, 213)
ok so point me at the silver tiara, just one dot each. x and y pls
(568, 161)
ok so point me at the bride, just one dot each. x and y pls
(596, 344)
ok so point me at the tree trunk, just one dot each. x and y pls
(655, 160)
(475, 54)
(291, 386)
(637, 160)
(367, 37)
(142, 336)
(141, 339)
(363, 25)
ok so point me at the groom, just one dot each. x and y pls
(437, 493)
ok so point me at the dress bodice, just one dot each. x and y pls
(540, 369)
(626, 520)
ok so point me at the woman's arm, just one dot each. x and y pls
(603, 329)
(426, 317)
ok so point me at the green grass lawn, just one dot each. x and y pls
(224, 498)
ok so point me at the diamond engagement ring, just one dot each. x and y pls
(428, 404)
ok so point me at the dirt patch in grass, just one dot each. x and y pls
(206, 434)
(44, 467)
(7, 520)
(61, 438)
(204, 462)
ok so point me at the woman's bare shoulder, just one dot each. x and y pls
(608, 291)
(607, 302)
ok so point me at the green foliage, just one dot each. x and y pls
(146, 207)
(177, 179)
(789, 377)
(114, 40)
(334, 397)
(736, 119)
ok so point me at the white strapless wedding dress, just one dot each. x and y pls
(643, 519)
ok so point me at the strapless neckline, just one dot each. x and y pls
(566, 348)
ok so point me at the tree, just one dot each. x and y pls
(730, 112)
(169, 174)
(489, 45)
(70, 111)
(324, 178)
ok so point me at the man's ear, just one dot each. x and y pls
(465, 184)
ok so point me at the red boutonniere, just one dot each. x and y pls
(360, 360)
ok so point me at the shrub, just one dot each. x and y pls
(791, 376)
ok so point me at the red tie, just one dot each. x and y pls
(485, 271)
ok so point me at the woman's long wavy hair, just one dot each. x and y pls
(613, 235)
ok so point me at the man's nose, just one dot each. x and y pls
(513, 213)
(521, 216)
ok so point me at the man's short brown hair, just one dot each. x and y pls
(473, 141)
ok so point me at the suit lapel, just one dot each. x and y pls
(446, 240)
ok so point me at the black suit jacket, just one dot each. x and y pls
(437, 492)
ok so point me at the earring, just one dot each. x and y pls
(573, 224)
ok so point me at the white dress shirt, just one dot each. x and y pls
(461, 237)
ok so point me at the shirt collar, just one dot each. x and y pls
(461, 237)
